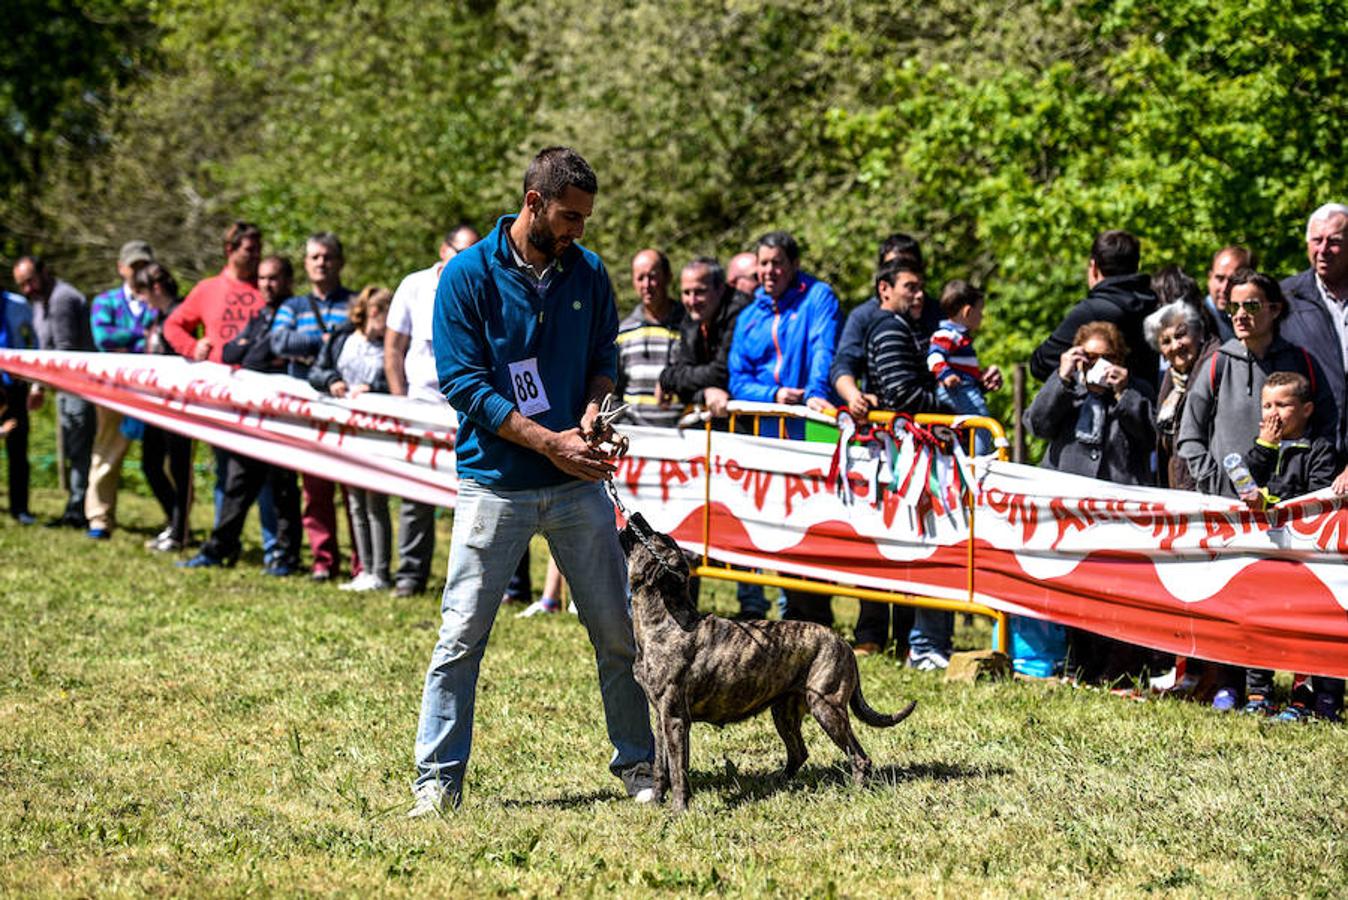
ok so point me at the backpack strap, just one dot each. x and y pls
(1310, 369)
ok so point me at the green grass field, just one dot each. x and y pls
(221, 733)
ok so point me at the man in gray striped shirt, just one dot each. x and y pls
(647, 341)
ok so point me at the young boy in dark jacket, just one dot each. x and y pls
(1285, 463)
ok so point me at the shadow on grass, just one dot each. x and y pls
(738, 788)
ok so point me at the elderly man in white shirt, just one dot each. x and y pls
(409, 363)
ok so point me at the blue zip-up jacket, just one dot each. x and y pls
(786, 343)
(489, 314)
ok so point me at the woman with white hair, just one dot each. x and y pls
(1176, 332)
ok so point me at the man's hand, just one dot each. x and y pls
(337, 388)
(950, 381)
(1340, 485)
(1116, 379)
(1270, 429)
(789, 396)
(357, 389)
(36, 397)
(662, 398)
(568, 451)
(202, 350)
(716, 400)
(992, 378)
(818, 404)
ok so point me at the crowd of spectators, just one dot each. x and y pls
(1146, 381)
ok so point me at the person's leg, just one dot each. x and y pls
(358, 501)
(153, 454)
(1328, 701)
(357, 560)
(578, 523)
(753, 603)
(416, 545)
(218, 493)
(381, 535)
(180, 470)
(105, 470)
(286, 499)
(243, 478)
(900, 624)
(16, 451)
(872, 626)
(929, 639)
(803, 606)
(490, 531)
(1259, 690)
(320, 523)
(78, 422)
(266, 518)
(520, 588)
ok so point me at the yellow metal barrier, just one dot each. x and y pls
(816, 586)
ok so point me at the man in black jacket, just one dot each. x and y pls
(1117, 293)
(698, 372)
(1317, 302)
(243, 476)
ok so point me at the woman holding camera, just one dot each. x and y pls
(1098, 421)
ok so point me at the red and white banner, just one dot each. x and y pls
(1181, 572)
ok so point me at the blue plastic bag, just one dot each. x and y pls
(1038, 648)
(132, 429)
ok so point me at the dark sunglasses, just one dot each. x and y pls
(1250, 306)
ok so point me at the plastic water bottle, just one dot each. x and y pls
(1239, 474)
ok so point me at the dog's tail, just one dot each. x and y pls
(865, 713)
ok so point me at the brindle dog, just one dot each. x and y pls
(703, 668)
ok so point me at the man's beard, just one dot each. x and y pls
(542, 239)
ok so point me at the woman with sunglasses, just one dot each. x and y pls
(1223, 410)
(1097, 419)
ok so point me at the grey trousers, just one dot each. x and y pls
(370, 529)
(416, 544)
(75, 417)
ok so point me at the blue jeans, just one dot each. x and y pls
(932, 630)
(491, 532)
(966, 399)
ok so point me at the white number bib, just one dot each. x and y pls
(530, 397)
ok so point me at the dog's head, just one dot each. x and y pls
(655, 563)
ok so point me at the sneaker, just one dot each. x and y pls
(930, 661)
(539, 607)
(320, 573)
(68, 520)
(430, 800)
(24, 518)
(1328, 707)
(1257, 706)
(407, 589)
(164, 535)
(201, 561)
(98, 534)
(280, 569)
(1225, 700)
(365, 581)
(639, 781)
(866, 648)
(1293, 713)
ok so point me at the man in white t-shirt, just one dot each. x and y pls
(409, 363)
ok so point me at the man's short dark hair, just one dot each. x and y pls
(957, 295)
(1116, 253)
(1300, 384)
(889, 271)
(1244, 255)
(663, 260)
(898, 244)
(781, 240)
(287, 269)
(1267, 285)
(454, 232)
(1171, 283)
(239, 232)
(38, 263)
(326, 239)
(555, 169)
(715, 271)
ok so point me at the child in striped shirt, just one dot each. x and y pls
(960, 382)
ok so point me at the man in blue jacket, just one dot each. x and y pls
(781, 353)
(524, 330)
